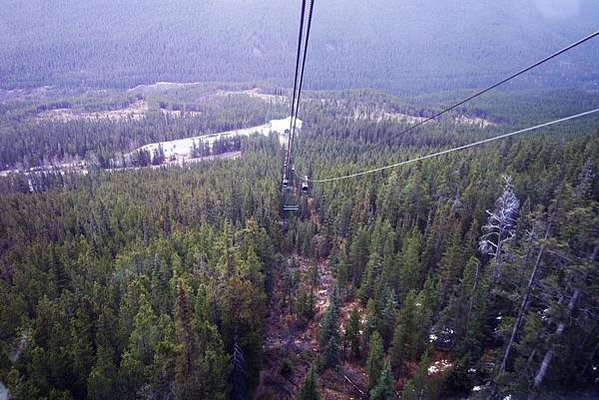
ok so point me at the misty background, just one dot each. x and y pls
(403, 47)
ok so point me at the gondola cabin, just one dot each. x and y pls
(305, 186)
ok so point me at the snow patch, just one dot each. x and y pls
(182, 147)
(3, 392)
(164, 86)
(439, 367)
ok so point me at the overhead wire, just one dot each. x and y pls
(297, 60)
(465, 100)
(452, 150)
(295, 84)
(499, 83)
(301, 82)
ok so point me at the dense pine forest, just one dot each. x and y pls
(473, 275)
(430, 230)
(400, 47)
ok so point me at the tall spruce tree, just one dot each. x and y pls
(384, 389)
(309, 390)
(352, 334)
(376, 359)
(329, 333)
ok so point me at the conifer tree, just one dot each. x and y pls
(188, 367)
(384, 389)
(403, 346)
(410, 272)
(376, 359)
(139, 353)
(372, 322)
(388, 306)
(239, 374)
(329, 333)
(451, 265)
(352, 334)
(421, 386)
(358, 256)
(309, 390)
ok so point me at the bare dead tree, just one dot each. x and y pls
(500, 226)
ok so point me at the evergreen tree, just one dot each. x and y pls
(358, 255)
(101, 383)
(372, 322)
(188, 367)
(352, 334)
(139, 354)
(309, 390)
(403, 347)
(376, 359)
(330, 323)
(410, 267)
(384, 389)
(329, 333)
(451, 265)
(420, 387)
(239, 374)
(388, 313)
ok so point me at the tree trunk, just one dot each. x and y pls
(523, 308)
(474, 287)
(546, 363)
(497, 260)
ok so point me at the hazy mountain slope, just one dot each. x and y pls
(402, 47)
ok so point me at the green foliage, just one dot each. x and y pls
(309, 390)
(329, 333)
(352, 337)
(384, 389)
(421, 386)
(156, 283)
(405, 337)
(376, 360)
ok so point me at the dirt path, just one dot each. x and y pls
(285, 340)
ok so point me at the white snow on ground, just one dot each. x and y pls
(179, 148)
(3, 392)
(165, 85)
(182, 147)
(439, 366)
(476, 121)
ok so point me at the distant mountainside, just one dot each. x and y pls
(403, 47)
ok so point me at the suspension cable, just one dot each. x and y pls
(295, 83)
(477, 94)
(493, 86)
(301, 82)
(297, 59)
(452, 150)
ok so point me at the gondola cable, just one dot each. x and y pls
(301, 81)
(295, 84)
(452, 150)
(463, 101)
(302, 51)
(496, 84)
